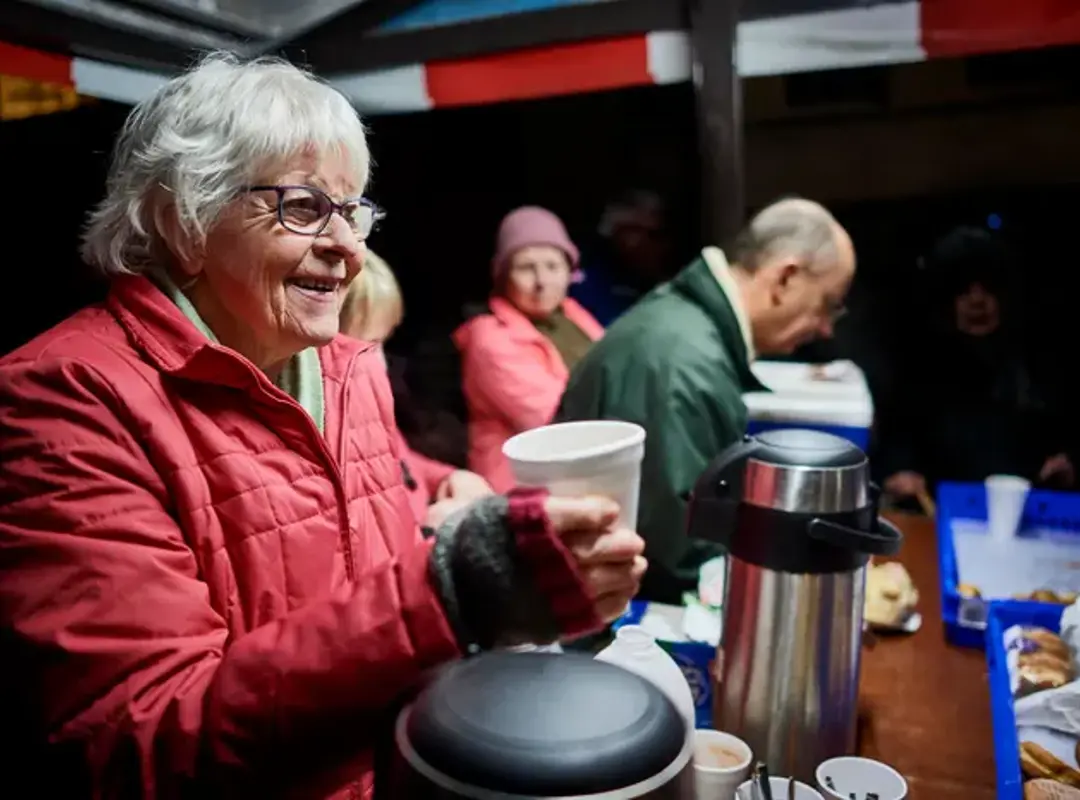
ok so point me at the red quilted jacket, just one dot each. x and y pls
(197, 589)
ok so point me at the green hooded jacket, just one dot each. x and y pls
(677, 364)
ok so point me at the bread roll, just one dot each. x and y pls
(1045, 789)
(1038, 762)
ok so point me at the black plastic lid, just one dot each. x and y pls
(544, 724)
(799, 447)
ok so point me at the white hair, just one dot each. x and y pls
(793, 227)
(196, 144)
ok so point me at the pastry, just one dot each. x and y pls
(1049, 596)
(890, 595)
(1039, 679)
(1037, 660)
(1038, 762)
(1043, 661)
(1048, 642)
(1044, 789)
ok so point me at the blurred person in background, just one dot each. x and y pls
(517, 352)
(372, 311)
(970, 405)
(212, 583)
(678, 363)
(630, 257)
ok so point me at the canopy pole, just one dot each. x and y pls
(718, 96)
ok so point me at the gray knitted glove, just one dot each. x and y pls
(489, 594)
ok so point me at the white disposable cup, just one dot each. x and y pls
(1005, 498)
(571, 459)
(714, 782)
(779, 788)
(862, 776)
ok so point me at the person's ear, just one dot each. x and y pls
(185, 253)
(781, 276)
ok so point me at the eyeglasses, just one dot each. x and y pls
(307, 210)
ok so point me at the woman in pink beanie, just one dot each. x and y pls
(517, 355)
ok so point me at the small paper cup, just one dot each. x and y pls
(715, 778)
(779, 790)
(862, 776)
(1005, 498)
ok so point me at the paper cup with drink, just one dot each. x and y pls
(721, 764)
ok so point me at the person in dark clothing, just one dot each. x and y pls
(971, 406)
(629, 257)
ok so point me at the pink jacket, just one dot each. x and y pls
(200, 592)
(512, 378)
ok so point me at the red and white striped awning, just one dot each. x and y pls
(886, 33)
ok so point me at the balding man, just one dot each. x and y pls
(678, 363)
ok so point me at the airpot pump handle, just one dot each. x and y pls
(713, 505)
(884, 540)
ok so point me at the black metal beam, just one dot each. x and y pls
(345, 48)
(343, 31)
(57, 32)
(713, 28)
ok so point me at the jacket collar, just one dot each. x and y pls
(698, 284)
(517, 323)
(521, 326)
(175, 339)
(157, 326)
(720, 268)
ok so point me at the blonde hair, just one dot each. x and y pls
(375, 290)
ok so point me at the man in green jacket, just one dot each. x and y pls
(678, 363)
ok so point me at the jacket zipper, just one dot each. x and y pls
(332, 466)
(339, 480)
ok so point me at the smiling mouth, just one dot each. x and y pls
(316, 285)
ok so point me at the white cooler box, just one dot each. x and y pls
(833, 398)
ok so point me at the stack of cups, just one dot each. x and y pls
(1005, 499)
(571, 459)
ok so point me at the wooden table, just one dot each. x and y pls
(924, 704)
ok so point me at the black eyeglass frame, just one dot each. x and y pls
(377, 213)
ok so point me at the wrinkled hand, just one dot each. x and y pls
(609, 559)
(464, 486)
(438, 513)
(905, 484)
(1059, 469)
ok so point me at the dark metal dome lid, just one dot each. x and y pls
(541, 724)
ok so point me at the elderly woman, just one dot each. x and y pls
(211, 581)
(372, 311)
(517, 354)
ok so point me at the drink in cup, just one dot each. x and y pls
(721, 763)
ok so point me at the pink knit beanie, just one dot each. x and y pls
(528, 226)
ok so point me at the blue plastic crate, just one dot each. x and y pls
(1000, 617)
(965, 618)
